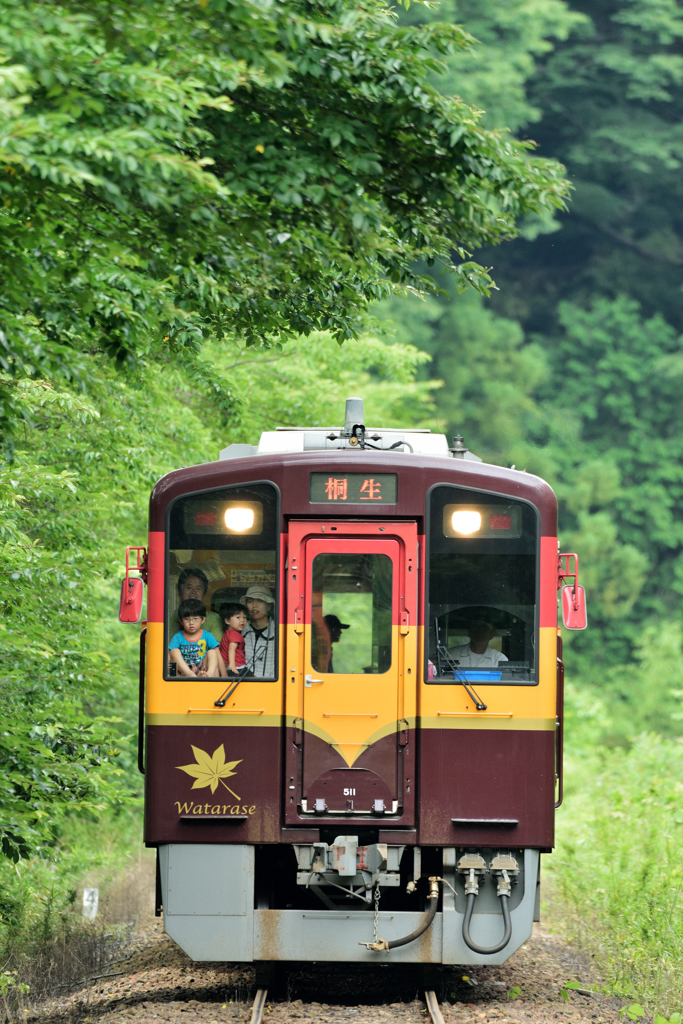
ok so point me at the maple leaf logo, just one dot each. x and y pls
(209, 771)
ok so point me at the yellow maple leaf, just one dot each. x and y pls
(209, 771)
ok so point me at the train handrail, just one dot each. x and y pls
(559, 729)
(141, 704)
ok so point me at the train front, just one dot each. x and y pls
(374, 776)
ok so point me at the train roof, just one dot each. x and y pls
(354, 434)
(287, 457)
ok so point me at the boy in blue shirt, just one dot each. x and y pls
(193, 649)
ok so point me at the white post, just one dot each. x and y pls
(91, 898)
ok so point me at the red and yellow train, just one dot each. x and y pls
(388, 758)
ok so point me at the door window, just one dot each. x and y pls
(351, 613)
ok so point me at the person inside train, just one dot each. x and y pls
(192, 583)
(334, 626)
(477, 653)
(193, 650)
(231, 652)
(259, 636)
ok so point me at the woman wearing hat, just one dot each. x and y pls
(259, 636)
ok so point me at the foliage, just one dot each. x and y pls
(172, 174)
(511, 38)
(609, 96)
(492, 373)
(300, 384)
(76, 494)
(46, 944)
(615, 438)
(571, 369)
(616, 873)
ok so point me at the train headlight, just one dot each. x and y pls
(239, 519)
(466, 521)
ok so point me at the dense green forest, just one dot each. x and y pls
(193, 221)
(572, 368)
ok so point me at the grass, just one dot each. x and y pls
(617, 872)
(46, 946)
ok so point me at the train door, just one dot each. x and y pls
(355, 618)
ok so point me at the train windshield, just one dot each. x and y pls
(222, 568)
(482, 587)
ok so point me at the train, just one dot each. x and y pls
(368, 771)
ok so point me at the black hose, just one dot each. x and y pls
(429, 917)
(466, 926)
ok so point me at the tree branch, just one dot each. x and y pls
(630, 243)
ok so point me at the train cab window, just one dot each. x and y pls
(222, 553)
(482, 587)
(351, 613)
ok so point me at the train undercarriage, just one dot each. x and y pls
(345, 901)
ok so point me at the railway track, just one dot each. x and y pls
(257, 1011)
(160, 985)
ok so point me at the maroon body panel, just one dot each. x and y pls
(379, 759)
(171, 814)
(367, 774)
(494, 774)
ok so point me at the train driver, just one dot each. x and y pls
(477, 653)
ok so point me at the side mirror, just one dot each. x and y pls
(130, 605)
(573, 596)
(574, 607)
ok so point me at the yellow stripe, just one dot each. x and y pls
(482, 722)
(244, 721)
(275, 721)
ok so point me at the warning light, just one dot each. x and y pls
(483, 522)
(215, 515)
(205, 518)
(238, 520)
(466, 521)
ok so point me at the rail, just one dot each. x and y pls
(259, 1006)
(433, 1007)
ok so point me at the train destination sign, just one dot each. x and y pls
(354, 488)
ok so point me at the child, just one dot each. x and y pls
(232, 644)
(192, 648)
